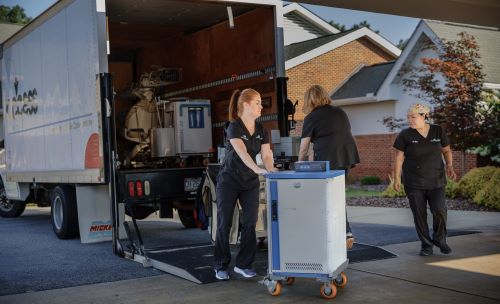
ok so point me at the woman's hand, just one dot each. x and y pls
(260, 171)
(397, 184)
(274, 169)
(451, 173)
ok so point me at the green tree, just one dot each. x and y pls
(341, 27)
(402, 43)
(489, 112)
(13, 14)
(338, 26)
(362, 24)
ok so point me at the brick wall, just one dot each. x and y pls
(377, 157)
(330, 69)
(376, 154)
(470, 162)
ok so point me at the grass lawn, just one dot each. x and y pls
(350, 192)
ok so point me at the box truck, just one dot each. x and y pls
(114, 106)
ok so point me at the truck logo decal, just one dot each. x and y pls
(23, 103)
(99, 229)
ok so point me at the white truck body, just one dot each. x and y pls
(52, 103)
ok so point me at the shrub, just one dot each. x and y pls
(390, 192)
(370, 180)
(452, 190)
(489, 195)
(474, 180)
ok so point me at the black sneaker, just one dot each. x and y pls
(443, 247)
(426, 251)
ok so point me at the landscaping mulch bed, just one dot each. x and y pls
(402, 202)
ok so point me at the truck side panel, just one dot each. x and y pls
(51, 97)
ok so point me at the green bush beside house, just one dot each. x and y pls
(481, 185)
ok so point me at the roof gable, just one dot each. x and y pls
(310, 20)
(297, 49)
(364, 83)
(7, 30)
(488, 40)
(301, 52)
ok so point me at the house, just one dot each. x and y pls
(6, 30)
(376, 91)
(319, 54)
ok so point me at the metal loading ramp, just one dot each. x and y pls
(193, 263)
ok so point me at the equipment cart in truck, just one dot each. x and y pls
(112, 108)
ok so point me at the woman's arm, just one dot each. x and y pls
(241, 150)
(400, 157)
(267, 157)
(304, 148)
(448, 158)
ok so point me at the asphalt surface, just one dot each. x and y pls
(37, 260)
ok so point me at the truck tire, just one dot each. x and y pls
(8, 207)
(187, 217)
(64, 212)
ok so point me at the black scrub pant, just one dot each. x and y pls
(347, 226)
(418, 199)
(228, 191)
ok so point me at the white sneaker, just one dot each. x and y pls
(247, 273)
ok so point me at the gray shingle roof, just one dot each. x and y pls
(487, 38)
(367, 80)
(7, 30)
(299, 48)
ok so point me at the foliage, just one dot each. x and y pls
(338, 26)
(391, 192)
(452, 83)
(370, 180)
(452, 189)
(13, 14)
(341, 27)
(394, 123)
(472, 182)
(489, 110)
(402, 43)
(350, 192)
(489, 195)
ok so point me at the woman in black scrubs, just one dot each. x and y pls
(238, 180)
(329, 129)
(419, 152)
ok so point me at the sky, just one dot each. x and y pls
(391, 27)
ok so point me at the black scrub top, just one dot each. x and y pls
(423, 166)
(232, 164)
(330, 131)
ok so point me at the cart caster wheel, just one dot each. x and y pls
(328, 291)
(276, 290)
(341, 280)
(290, 281)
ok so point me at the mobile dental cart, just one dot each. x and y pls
(306, 227)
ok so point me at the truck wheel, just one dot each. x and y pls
(187, 217)
(64, 212)
(10, 208)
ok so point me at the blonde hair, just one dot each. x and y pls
(314, 97)
(237, 100)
